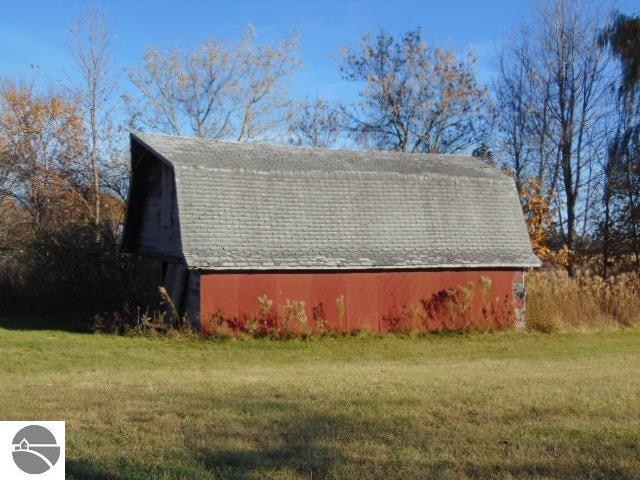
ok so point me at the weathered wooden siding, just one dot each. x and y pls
(379, 301)
(152, 225)
(191, 300)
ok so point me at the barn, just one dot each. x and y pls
(254, 237)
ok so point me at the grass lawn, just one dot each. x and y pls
(512, 405)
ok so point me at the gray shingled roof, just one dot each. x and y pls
(250, 206)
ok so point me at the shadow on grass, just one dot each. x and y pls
(557, 470)
(300, 447)
(87, 469)
(303, 446)
(130, 469)
(281, 439)
(316, 446)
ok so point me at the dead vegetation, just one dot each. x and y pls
(555, 301)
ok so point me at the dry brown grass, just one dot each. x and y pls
(557, 302)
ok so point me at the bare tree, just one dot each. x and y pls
(264, 72)
(557, 70)
(315, 124)
(415, 98)
(91, 48)
(182, 92)
(216, 90)
(523, 123)
(514, 113)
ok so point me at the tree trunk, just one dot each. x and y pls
(94, 157)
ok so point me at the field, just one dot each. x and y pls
(509, 405)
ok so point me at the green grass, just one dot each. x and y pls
(512, 405)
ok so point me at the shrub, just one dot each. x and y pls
(294, 315)
(75, 273)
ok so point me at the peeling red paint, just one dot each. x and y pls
(379, 301)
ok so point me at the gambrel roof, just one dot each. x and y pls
(257, 207)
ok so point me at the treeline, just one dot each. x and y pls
(562, 115)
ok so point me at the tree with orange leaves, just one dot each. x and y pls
(539, 217)
(42, 175)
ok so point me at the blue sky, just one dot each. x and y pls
(36, 32)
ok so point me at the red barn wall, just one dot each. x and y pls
(379, 301)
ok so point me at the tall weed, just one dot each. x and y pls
(556, 301)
